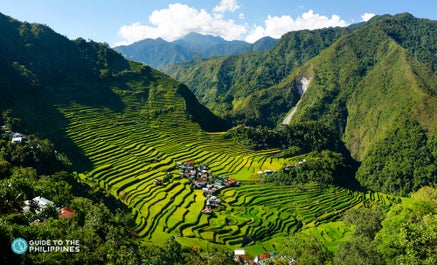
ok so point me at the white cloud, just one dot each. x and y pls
(257, 33)
(277, 26)
(367, 16)
(226, 5)
(134, 32)
(178, 20)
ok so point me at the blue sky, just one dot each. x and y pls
(126, 21)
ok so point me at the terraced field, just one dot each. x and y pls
(129, 150)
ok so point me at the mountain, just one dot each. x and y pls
(156, 52)
(373, 84)
(159, 53)
(37, 52)
(41, 69)
(377, 87)
(208, 45)
(204, 44)
(370, 87)
(233, 85)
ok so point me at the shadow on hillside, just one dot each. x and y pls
(201, 114)
(347, 179)
(37, 109)
(95, 95)
(350, 182)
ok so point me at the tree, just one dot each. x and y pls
(361, 248)
(5, 169)
(308, 250)
(218, 255)
(409, 233)
(401, 162)
(170, 253)
(49, 211)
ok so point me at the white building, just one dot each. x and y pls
(17, 140)
(40, 202)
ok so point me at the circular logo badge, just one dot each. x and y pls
(19, 246)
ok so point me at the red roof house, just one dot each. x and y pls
(66, 213)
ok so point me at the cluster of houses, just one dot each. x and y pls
(15, 137)
(39, 203)
(286, 168)
(201, 178)
(296, 165)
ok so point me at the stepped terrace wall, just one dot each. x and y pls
(129, 150)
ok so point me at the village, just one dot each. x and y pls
(201, 178)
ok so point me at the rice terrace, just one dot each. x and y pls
(208, 160)
(134, 148)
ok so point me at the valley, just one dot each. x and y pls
(330, 135)
(129, 151)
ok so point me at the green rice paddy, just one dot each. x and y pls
(129, 150)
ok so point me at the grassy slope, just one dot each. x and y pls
(392, 79)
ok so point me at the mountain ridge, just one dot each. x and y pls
(41, 69)
(159, 53)
(227, 84)
(371, 88)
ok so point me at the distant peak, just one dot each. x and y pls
(196, 35)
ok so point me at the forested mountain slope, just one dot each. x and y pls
(40, 69)
(224, 84)
(374, 84)
(377, 88)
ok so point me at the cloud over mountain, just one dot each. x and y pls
(177, 20)
(275, 26)
(367, 16)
